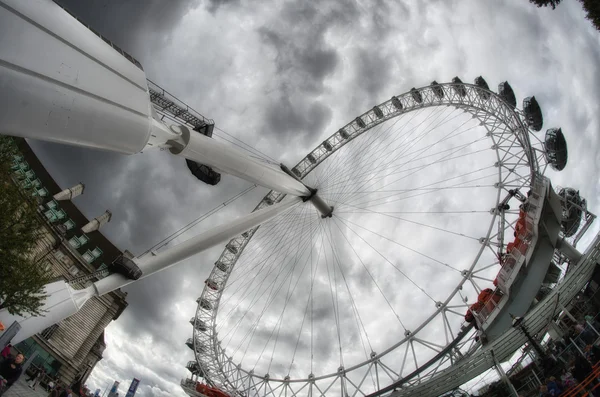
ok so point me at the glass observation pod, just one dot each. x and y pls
(533, 113)
(437, 89)
(397, 103)
(481, 83)
(199, 324)
(458, 86)
(573, 206)
(212, 284)
(507, 93)
(555, 148)
(222, 266)
(416, 95)
(205, 304)
(203, 172)
(190, 343)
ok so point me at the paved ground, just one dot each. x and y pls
(20, 389)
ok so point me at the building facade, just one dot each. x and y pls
(70, 245)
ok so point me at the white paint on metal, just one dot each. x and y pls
(219, 234)
(63, 301)
(62, 83)
(232, 161)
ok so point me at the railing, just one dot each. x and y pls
(168, 105)
(586, 387)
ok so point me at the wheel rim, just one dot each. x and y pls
(509, 142)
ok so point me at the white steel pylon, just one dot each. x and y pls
(62, 83)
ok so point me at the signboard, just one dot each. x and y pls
(113, 389)
(9, 333)
(133, 387)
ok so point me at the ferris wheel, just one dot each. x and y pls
(360, 281)
(425, 192)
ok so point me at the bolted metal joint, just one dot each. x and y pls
(325, 209)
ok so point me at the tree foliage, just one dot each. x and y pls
(21, 278)
(546, 3)
(591, 7)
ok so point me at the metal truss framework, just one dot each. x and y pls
(171, 108)
(517, 165)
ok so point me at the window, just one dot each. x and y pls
(19, 174)
(42, 192)
(25, 184)
(74, 242)
(36, 183)
(60, 214)
(78, 242)
(50, 215)
(73, 270)
(96, 252)
(103, 267)
(42, 360)
(69, 224)
(52, 204)
(88, 256)
(58, 255)
(83, 239)
(30, 175)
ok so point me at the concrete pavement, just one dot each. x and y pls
(20, 389)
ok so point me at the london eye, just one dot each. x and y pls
(390, 260)
(429, 190)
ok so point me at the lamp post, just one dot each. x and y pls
(518, 323)
(544, 357)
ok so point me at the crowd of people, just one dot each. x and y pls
(579, 373)
(582, 373)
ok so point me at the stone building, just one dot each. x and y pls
(71, 246)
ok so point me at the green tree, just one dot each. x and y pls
(592, 8)
(21, 278)
(546, 3)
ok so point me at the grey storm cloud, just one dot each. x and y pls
(214, 5)
(126, 22)
(282, 76)
(304, 61)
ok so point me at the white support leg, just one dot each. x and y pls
(63, 301)
(230, 160)
(217, 235)
(503, 376)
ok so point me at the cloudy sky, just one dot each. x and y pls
(283, 76)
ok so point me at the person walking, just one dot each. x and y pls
(50, 385)
(33, 375)
(56, 392)
(6, 351)
(10, 370)
(37, 378)
(581, 370)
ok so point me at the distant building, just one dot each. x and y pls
(72, 246)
